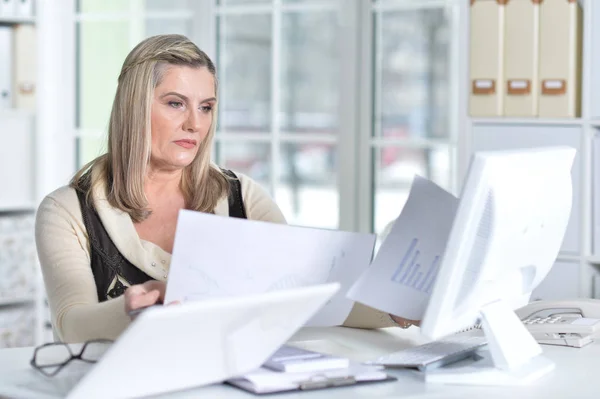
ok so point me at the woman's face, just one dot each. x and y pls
(181, 115)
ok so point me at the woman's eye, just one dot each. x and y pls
(206, 108)
(176, 104)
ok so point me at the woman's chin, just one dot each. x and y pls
(182, 165)
(183, 161)
(172, 164)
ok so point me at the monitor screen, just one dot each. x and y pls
(513, 213)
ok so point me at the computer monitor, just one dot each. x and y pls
(510, 223)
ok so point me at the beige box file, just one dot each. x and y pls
(6, 69)
(24, 51)
(560, 58)
(521, 57)
(486, 65)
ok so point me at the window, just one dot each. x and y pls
(105, 32)
(411, 97)
(286, 113)
(278, 67)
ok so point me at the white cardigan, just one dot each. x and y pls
(64, 253)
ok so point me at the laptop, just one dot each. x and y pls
(174, 348)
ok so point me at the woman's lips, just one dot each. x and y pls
(185, 143)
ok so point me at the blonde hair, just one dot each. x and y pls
(123, 167)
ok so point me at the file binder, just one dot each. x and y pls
(264, 381)
(24, 8)
(7, 8)
(486, 64)
(24, 56)
(521, 58)
(560, 58)
(596, 195)
(5, 67)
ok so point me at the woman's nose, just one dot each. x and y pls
(192, 123)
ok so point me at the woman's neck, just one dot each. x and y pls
(162, 181)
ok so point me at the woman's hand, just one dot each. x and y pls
(143, 295)
(405, 323)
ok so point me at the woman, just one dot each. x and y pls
(105, 241)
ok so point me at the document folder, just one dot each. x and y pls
(486, 61)
(24, 8)
(264, 381)
(560, 58)
(521, 58)
(24, 67)
(596, 194)
(7, 8)
(6, 39)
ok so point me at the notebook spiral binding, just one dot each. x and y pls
(476, 326)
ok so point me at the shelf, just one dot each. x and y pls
(595, 122)
(568, 258)
(593, 260)
(16, 209)
(16, 301)
(18, 112)
(16, 20)
(528, 121)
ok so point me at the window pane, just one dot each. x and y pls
(89, 148)
(310, 71)
(101, 52)
(309, 1)
(88, 6)
(244, 62)
(251, 159)
(233, 2)
(412, 49)
(165, 26)
(307, 191)
(394, 171)
(167, 5)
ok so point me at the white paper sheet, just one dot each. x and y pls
(402, 274)
(221, 256)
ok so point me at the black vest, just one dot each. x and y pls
(112, 272)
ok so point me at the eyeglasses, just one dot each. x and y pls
(50, 358)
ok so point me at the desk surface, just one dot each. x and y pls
(571, 378)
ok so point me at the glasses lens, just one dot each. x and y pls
(94, 350)
(52, 355)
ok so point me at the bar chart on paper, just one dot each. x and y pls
(415, 272)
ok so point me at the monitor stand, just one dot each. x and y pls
(512, 356)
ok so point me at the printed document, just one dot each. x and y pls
(222, 256)
(401, 277)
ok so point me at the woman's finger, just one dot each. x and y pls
(143, 300)
(135, 290)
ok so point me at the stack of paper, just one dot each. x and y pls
(401, 278)
(220, 256)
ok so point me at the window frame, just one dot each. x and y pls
(354, 140)
(367, 142)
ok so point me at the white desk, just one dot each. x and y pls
(575, 375)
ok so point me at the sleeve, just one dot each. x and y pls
(77, 315)
(363, 316)
(259, 204)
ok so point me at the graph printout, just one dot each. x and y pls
(402, 274)
(216, 256)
